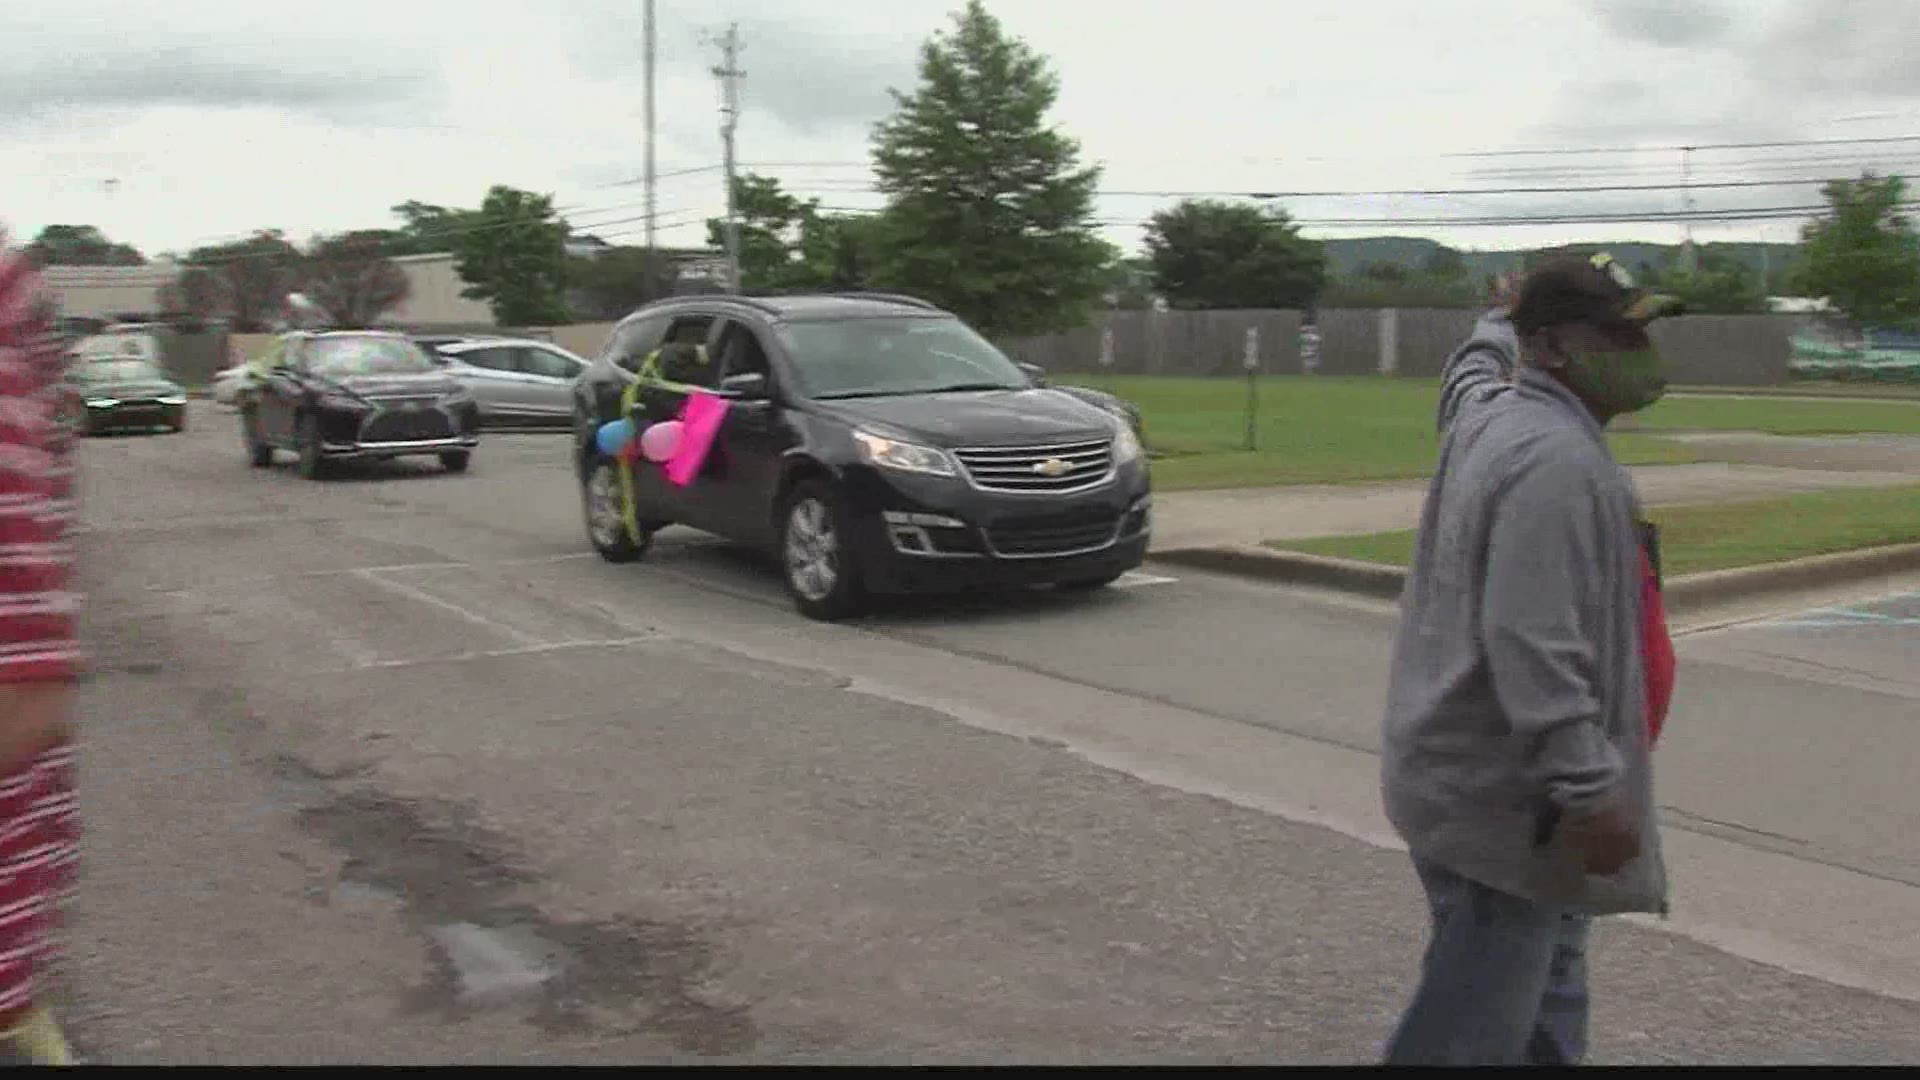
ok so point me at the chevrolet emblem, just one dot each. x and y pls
(1051, 468)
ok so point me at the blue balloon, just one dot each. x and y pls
(613, 437)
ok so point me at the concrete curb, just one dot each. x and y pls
(1350, 575)
(1685, 593)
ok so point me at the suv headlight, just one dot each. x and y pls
(902, 457)
(1126, 445)
(172, 399)
(101, 402)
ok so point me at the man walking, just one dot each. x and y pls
(1516, 747)
(38, 661)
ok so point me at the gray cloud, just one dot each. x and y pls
(813, 76)
(344, 85)
(1841, 48)
(1671, 23)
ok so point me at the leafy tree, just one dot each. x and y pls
(80, 245)
(616, 281)
(1717, 284)
(426, 229)
(1211, 254)
(199, 292)
(989, 211)
(1863, 254)
(511, 253)
(1444, 263)
(257, 273)
(351, 277)
(842, 252)
(772, 227)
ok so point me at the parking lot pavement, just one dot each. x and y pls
(391, 769)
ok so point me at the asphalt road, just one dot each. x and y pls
(392, 769)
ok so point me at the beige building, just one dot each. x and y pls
(435, 295)
(102, 292)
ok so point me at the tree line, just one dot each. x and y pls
(989, 213)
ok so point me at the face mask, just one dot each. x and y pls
(1617, 383)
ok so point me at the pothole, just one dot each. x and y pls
(455, 882)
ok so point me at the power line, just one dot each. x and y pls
(1776, 145)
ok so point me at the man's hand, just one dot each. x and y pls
(33, 717)
(1605, 840)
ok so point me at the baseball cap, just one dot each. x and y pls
(1593, 289)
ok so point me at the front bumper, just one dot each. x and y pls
(398, 449)
(924, 534)
(399, 427)
(141, 414)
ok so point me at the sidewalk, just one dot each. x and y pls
(1250, 516)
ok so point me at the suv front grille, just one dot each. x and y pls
(1056, 535)
(393, 423)
(1039, 469)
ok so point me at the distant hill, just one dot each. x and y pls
(1346, 256)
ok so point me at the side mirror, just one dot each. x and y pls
(751, 386)
(1035, 373)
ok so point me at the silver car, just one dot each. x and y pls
(517, 382)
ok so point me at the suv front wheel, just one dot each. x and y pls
(606, 524)
(816, 555)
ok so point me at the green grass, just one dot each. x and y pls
(1312, 430)
(1717, 536)
(1782, 416)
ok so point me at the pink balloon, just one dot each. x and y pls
(660, 441)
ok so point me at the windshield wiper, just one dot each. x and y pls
(959, 388)
(846, 395)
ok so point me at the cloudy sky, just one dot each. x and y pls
(178, 124)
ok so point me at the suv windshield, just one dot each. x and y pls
(107, 371)
(365, 356)
(887, 357)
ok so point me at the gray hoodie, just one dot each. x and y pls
(1516, 693)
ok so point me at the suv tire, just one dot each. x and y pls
(816, 554)
(600, 504)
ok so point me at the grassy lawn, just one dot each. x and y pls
(1782, 416)
(1716, 536)
(1312, 430)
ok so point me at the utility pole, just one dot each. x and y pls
(729, 74)
(653, 254)
(1687, 259)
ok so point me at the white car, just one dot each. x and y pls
(228, 382)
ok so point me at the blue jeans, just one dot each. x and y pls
(1504, 981)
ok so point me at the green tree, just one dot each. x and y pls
(199, 293)
(426, 229)
(1717, 284)
(352, 277)
(989, 211)
(257, 273)
(773, 227)
(842, 252)
(1211, 254)
(1862, 254)
(619, 279)
(80, 245)
(1444, 263)
(511, 253)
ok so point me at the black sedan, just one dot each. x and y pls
(876, 443)
(346, 395)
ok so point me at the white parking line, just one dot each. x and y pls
(425, 597)
(493, 654)
(1134, 579)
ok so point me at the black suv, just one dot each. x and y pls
(354, 394)
(877, 443)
